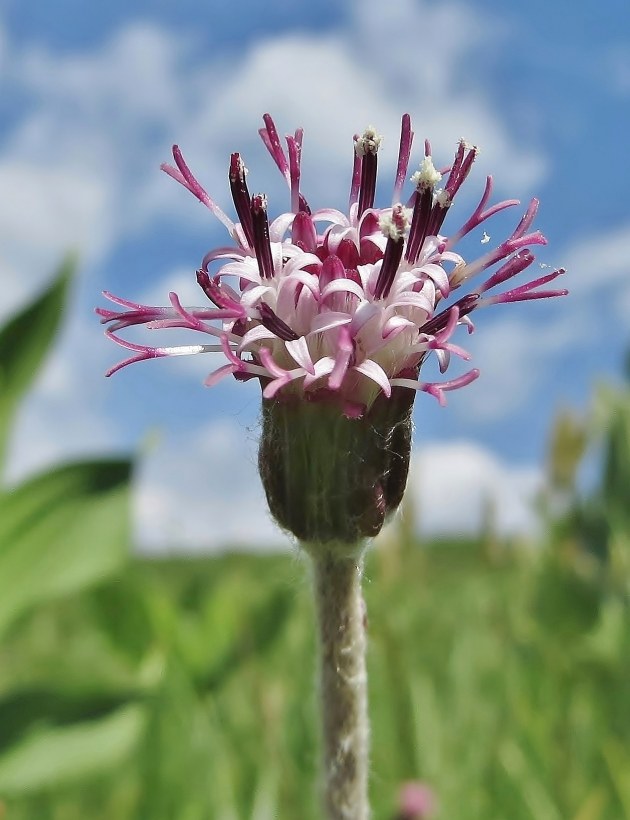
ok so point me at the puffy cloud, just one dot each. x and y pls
(340, 91)
(451, 484)
(134, 77)
(85, 153)
(200, 491)
(513, 356)
(599, 262)
(49, 211)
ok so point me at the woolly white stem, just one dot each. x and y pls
(342, 641)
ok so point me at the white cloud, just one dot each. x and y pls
(181, 281)
(62, 417)
(45, 441)
(599, 262)
(15, 288)
(370, 73)
(82, 162)
(452, 483)
(50, 211)
(513, 356)
(134, 76)
(200, 492)
(52, 208)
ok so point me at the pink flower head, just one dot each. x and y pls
(321, 303)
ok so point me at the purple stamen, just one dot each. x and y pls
(436, 220)
(214, 292)
(367, 190)
(270, 137)
(419, 223)
(240, 196)
(526, 292)
(460, 169)
(295, 153)
(480, 215)
(464, 306)
(523, 259)
(262, 244)
(356, 176)
(404, 152)
(367, 148)
(273, 323)
(389, 267)
(184, 176)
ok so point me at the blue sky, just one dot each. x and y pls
(92, 99)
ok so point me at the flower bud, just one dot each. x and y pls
(330, 478)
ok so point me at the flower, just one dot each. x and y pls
(416, 801)
(340, 310)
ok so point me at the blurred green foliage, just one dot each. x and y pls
(183, 689)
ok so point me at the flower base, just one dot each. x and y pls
(333, 479)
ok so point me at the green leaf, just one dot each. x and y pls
(121, 611)
(62, 531)
(25, 708)
(262, 626)
(53, 757)
(24, 343)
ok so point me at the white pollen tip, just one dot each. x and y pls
(443, 199)
(468, 146)
(427, 176)
(369, 142)
(394, 225)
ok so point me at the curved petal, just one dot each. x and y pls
(395, 325)
(375, 372)
(244, 270)
(280, 226)
(323, 367)
(253, 295)
(326, 321)
(256, 334)
(299, 352)
(331, 215)
(343, 286)
(411, 299)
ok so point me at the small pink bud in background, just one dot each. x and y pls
(416, 801)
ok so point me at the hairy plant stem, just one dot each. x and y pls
(343, 681)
